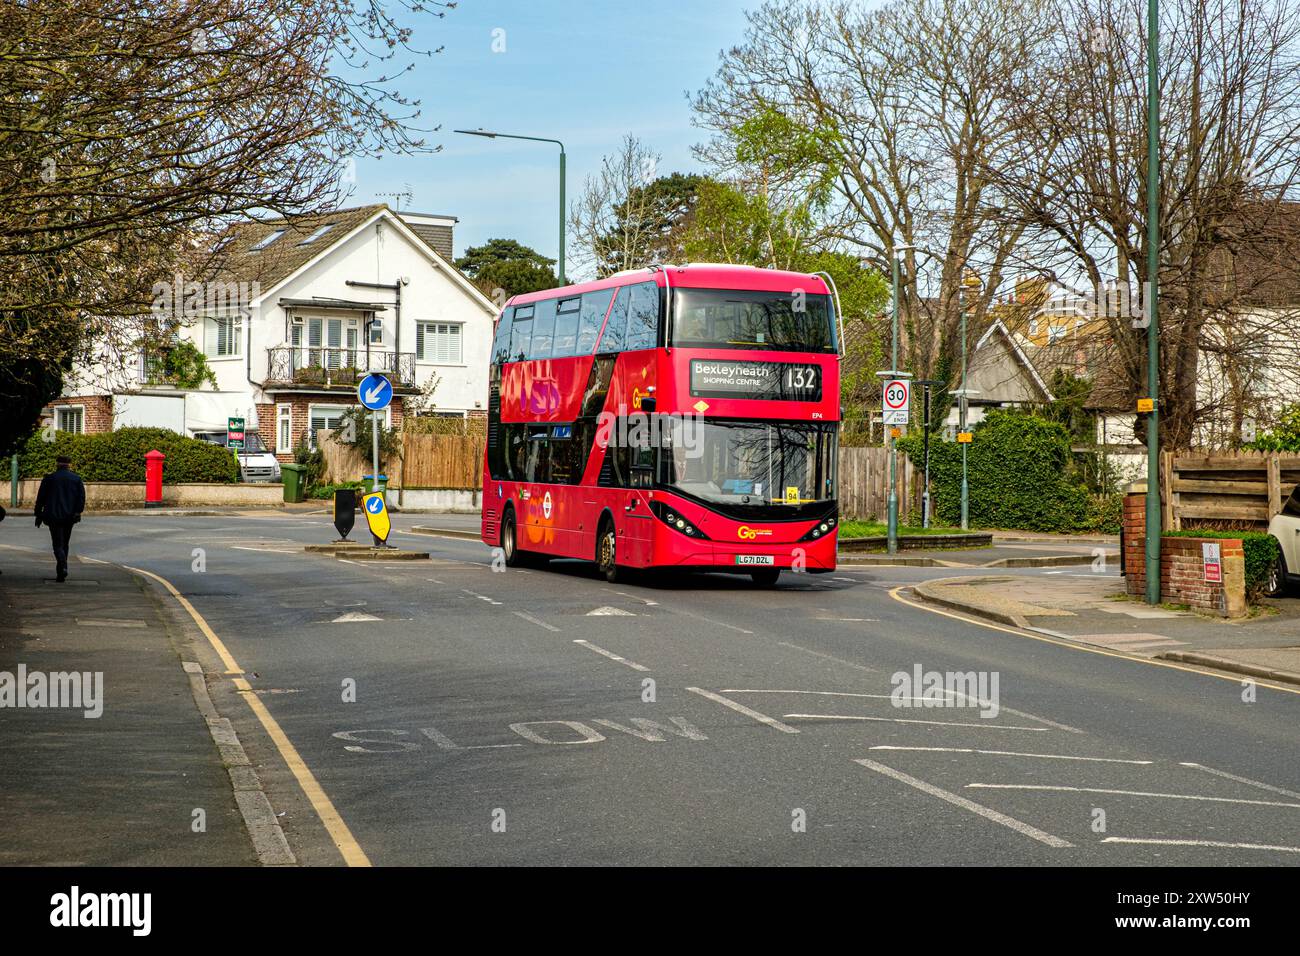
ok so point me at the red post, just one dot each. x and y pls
(153, 471)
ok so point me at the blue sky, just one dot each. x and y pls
(583, 71)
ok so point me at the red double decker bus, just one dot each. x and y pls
(673, 417)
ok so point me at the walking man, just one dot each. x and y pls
(59, 504)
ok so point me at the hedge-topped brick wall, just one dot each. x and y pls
(119, 456)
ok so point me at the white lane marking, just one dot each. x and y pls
(1246, 780)
(433, 580)
(1013, 753)
(355, 617)
(850, 620)
(1130, 793)
(902, 720)
(611, 655)
(742, 709)
(610, 612)
(958, 801)
(347, 561)
(481, 597)
(796, 647)
(706, 620)
(646, 601)
(1209, 843)
(850, 580)
(819, 693)
(532, 620)
(236, 547)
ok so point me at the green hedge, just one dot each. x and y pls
(119, 456)
(1260, 547)
(1020, 474)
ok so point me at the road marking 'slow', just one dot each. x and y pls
(1130, 793)
(904, 720)
(958, 801)
(532, 620)
(611, 655)
(747, 711)
(1012, 753)
(1208, 843)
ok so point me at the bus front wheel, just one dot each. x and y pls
(766, 578)
(607, 551)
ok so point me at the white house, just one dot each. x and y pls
(295, 314)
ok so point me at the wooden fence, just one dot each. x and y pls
(864, 484)
(428, 461)
(1205, 489)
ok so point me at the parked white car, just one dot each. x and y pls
(256, 461)
(1285, 527)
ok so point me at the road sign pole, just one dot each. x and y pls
(925, 437)
(376, 484)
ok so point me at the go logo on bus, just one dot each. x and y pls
(749, 534)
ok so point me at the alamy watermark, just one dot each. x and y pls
(72, 690)
(922, 688)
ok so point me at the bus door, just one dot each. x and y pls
(637, 518)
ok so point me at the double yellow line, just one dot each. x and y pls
(343, 839)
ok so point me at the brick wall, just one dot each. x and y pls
(98, 416)
(1182, 566)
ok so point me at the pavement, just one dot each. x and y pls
(444, 712)
(1092, 608)
(141, 783)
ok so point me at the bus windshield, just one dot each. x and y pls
(727, 318)
(751, 463)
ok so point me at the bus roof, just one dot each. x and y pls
(695, 275)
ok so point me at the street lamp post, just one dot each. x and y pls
(559, 262)
(892, 527)
(1153, 327)
(926, 384)
(969, 281)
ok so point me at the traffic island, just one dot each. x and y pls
(380, 554)
(334, 546)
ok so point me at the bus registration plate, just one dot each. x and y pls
(767, 559)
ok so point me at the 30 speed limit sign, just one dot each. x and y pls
(896, 400)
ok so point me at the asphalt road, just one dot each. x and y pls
(542, 716)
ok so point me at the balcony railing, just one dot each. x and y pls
(335, 367)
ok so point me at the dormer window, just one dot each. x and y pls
(317, 234)
(266, 241)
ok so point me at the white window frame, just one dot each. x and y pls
(376, 325)
(81, 418)
(211, 345)
(311, 413)
(283, 429)
(424, 328)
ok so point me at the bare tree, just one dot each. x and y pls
(612, 220)
(911, 99)
(132, 131)
(1230, 91)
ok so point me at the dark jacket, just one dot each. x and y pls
(61, 499)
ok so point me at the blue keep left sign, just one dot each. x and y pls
(375, 392)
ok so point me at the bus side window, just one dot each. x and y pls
(594, 307)
(568, 312)
(521, 333)
(643, 317)
(543, 330)
(501, 341)
(616, 328)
